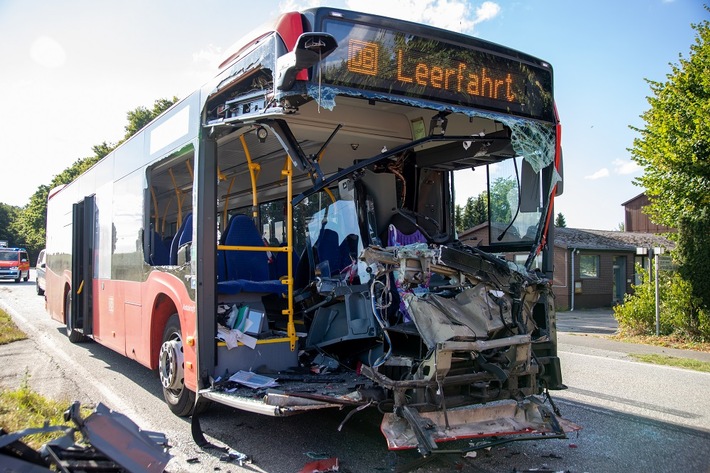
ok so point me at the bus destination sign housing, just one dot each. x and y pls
(402, 63)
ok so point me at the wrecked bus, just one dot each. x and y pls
(283, 240)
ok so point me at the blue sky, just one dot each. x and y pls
(72, 69)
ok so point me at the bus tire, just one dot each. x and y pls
(171, 366)
(74, 335)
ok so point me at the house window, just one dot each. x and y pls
(589, 266)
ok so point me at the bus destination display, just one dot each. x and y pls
(403, 64)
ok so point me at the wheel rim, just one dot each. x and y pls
(170, 365)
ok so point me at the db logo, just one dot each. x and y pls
(362, 57)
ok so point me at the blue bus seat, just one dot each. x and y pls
(182, 236)
(279, 267)
(246, 271)
(159, 254)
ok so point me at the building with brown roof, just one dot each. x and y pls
(595, 268)
(635, 220)
(592, 268)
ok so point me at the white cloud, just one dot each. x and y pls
(47, 52)
(296, 5)
(454, 15)
(603, 172)
(624, 167)
(211, 56)
(487, 11)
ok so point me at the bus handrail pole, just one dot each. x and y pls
(290, 327)
(254, 169)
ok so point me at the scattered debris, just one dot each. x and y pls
(233, 455)
(253, 380)
(109, 439)
(321, 466)
(317, 456)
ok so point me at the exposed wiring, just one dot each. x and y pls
(378, 316)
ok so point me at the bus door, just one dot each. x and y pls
(83, 221)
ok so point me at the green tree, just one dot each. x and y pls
(503, 198)
(8, 214)
(141, 116)
(467, 217)
(473, 213)
(674, 151)
(560, 221)
(693, 257)
(458, 218)
(674, 147)
(480, 209)
(29, 222)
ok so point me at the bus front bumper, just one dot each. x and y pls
(506, 418)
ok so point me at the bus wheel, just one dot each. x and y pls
(74, 335)
(171, 366)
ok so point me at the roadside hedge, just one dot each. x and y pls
(681, 313)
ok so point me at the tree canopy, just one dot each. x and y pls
(674, 151)
(674, 147)
(27, 225)
(473, 213)
(560, 221)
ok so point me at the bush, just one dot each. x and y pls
(681, 313)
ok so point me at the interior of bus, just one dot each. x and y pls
(404, 199)
(414, 185)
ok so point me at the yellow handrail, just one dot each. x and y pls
(254, 170)
(290, 327)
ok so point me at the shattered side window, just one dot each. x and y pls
(327, 230)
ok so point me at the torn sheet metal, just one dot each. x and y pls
(506, 417)
(110, 441)
(477, 313)
(119, 438)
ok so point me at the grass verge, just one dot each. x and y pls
(663, 341)
(8, 330)
(666, 360)
(23, 408)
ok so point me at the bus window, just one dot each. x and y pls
(170, 183)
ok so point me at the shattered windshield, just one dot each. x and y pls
(515, 201)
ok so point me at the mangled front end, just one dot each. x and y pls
(476, 347)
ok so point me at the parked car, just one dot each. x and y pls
(39, 273)
(14, 264)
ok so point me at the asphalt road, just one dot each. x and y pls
(635, 417)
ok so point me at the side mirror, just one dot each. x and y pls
(23, 260)
(43, 265)
(310, 49)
